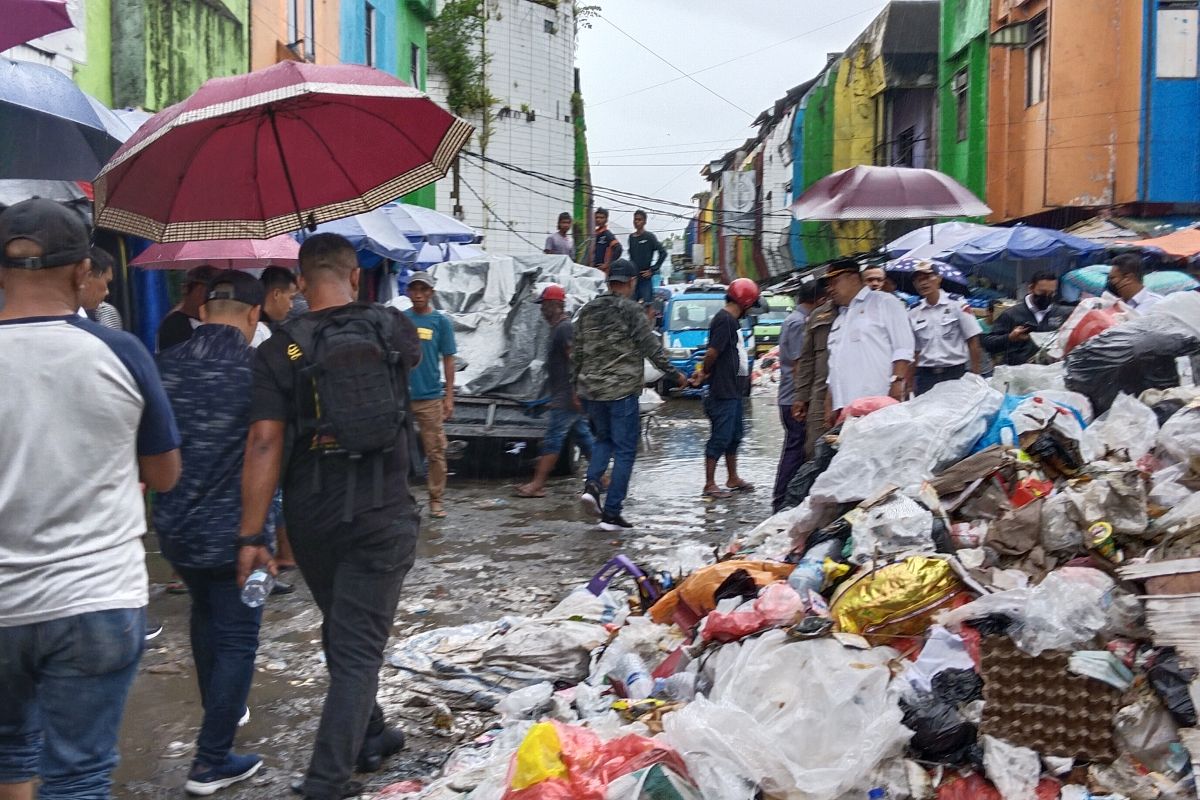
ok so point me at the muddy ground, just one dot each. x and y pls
(494, 555)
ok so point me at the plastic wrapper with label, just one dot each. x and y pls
(898, 599)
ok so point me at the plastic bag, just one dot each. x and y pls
(1179, 438)
(897, 525)
(1014, 770)
(778, 604)
(1115, 494)
(528, 703)
(1060, 532)
(940, 733)
(899, 599)
(1126, 431)
(693, 598)
(1171, 680)
(1165, 489)
(864, 406)
(1023, 379)
(943, 652)
(905, 444)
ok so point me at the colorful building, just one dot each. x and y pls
(962, 93)
(294, 30)
(815, 156)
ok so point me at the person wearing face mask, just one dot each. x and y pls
(1010, 341)
(1125, 281)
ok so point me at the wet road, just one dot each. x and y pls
(494, 555)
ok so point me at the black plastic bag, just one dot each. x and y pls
(1170, 680)
(1136, 355)
(958, 686)
(738, 584)
(940, 733)
(1165, 409)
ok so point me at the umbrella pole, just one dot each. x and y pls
(287, 173)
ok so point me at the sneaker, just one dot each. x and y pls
(206, 779)
(245, 720)
(614, 522)
(351, 789)
(591, 498)
(153, 628)
(377, 748)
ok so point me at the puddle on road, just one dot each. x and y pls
(494, 554)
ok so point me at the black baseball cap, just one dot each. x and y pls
(233, 284)
(841, 266)
(58, 230)
(621, 270)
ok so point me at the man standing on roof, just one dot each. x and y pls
(605, 245)
(647, 254)
(725, 367)
(560, 242)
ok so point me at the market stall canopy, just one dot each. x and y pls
(1093, 278)
(422, 224)
(933, 238)
(50, 129)
(1181, 244)
(865, 192)
(280, 149)
(280, 251)
(28, 19)
(431, 254)
(1021, 243)
(373, 232)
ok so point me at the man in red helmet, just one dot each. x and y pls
(726, 367)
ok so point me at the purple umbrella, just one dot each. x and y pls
(29, 19)
(901, 271)
(865, 192)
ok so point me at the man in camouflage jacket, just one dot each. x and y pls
(612, 338)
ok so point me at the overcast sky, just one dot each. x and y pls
(653, 139)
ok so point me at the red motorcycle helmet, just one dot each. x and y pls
(744, 292)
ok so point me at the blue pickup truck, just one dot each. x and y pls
(685, 321)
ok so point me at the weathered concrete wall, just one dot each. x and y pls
(269, 34)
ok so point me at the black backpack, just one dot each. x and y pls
(352, 397)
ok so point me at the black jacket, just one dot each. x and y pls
(1008, 352)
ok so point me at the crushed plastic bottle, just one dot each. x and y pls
(680, 686)
(633, 673)
(258, 587)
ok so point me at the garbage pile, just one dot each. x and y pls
(985, 592)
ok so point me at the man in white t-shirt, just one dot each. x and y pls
(86, 418)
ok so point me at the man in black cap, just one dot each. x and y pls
(85, 418)
(178, 325)
(208, 379)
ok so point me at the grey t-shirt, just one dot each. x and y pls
(791, 339)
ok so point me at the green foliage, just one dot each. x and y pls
(584, 14)
(456, 49)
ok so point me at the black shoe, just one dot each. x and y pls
(153, 628)
(377, 748)
(615, 522)
(352, 789)
(282, 588)
(591, 498)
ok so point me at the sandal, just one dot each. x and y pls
(437, 511)
(742, 486)
(716, 494)
(524, 491)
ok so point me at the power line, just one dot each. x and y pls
(484, 203)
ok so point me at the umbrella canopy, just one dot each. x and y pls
(1020, 242)
(281, 251)
(426, 225)
(865, 192)
(933, 238)
(901, 272)
(431, 254)
(1181, 244)
(49, 128)
(29, 19)
(374, 232)
(290, 146)
(1092, 279)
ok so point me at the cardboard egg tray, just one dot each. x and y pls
(1035, 702)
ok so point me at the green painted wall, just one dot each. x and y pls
(163, 50)
(95, 77)
(964, 46)
(411, 20)
(819, 244)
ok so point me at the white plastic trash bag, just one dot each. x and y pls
(895, 526)
(1180, 435)
(1126, 431)
(1028, 378)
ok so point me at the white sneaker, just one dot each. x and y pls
(245, 718)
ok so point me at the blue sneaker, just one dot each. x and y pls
(206, 779)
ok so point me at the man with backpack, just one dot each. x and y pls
(330, 413)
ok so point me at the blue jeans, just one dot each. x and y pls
(63, 685)
(643, 292)
(728, 427)
(616, 426)
(224, 634)
(562, 422)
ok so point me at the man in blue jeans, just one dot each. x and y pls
(612, 340)
(209, 379)
(566, 414)
(726, 369)
(86, 417)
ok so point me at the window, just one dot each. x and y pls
(370, 34)
(310, 28)
(549, 27)
(414, 65)
(906, 147)
(1176, 39)
(962, 104)
(1035, 62)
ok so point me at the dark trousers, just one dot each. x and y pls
(355, 571)
(224, 634)
(616, 426)
(792, 456)
(929, 377)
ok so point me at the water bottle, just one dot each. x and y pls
(258, 587)
(635, 675)
(680, 686)
(809, 574)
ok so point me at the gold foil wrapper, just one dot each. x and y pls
(896, 599)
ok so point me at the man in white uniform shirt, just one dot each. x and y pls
(946, 332)
(1125, 281)
(870, 345)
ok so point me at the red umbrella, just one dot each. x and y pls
(281, 251)
(29, 19)
(865, 192)
(287, 147)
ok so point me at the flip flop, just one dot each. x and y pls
(437, 512)
(744, 486)
(716, 494)
(521, 491)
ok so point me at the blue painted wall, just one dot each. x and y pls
(796, 242)
(354, 38)
(1169, 169)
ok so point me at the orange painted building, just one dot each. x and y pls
(1064, 105)
(294, 30)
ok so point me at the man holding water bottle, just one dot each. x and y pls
(208, 379)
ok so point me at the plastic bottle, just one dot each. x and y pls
(810, 572)
(258, 587)
(680, 686)
(635, 676)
